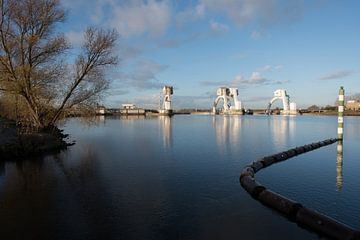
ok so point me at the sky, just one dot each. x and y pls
(310, 48)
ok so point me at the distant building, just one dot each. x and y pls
(353, 105)
(128, 106)
(131, 109)
(100, 110)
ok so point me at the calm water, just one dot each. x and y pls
(177, 178)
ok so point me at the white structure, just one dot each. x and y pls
(288, 108)
(228, 95)
(292, 107)
(234, 93)
(166, 103)
(131, 109)
(101, 110)
(128, 106)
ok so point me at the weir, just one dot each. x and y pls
(289, 108)
(231, 103)
(166, 109)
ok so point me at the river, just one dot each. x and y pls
(178, 178)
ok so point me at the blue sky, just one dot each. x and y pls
(310, 48)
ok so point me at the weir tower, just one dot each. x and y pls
(231, 103)
(289, 108)
(165, 108)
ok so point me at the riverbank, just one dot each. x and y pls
(14, 146)
(316, 113)
(333, 113)
(8, 133)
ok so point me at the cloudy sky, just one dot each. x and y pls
(310, 48)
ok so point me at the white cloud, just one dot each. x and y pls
(255, 79)
(239, 79)
(190, 14)
(141, 75)
(140, 17)
(281, 81)
(214, 83)
(240, 12)
(117, 91)
(218, 27)
(98, 14)
(256, 35)
(336, 75)
(270, 68)
(266, 68)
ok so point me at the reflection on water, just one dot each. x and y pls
(166, 128)
(227, 130)
(283, 128)
(2, 168)
(24, 197)
(51, 198)
(120, 181)
(230, 134)
(339, 166)
(100, 119)
(132, 117)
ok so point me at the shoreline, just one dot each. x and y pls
(15, 146)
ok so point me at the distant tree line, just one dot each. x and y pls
(315, 108)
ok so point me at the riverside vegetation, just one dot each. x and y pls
(39, 84)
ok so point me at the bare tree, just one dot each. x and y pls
(33, 63)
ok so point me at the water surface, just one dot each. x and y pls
(177, 178)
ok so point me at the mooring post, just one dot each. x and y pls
(339, 159)
(341, 113)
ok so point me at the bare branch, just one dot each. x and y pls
(97, 54)
(33, 66)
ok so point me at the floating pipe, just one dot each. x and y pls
(303, 216)
(324, 224)
(251, 186)
(280, 203)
